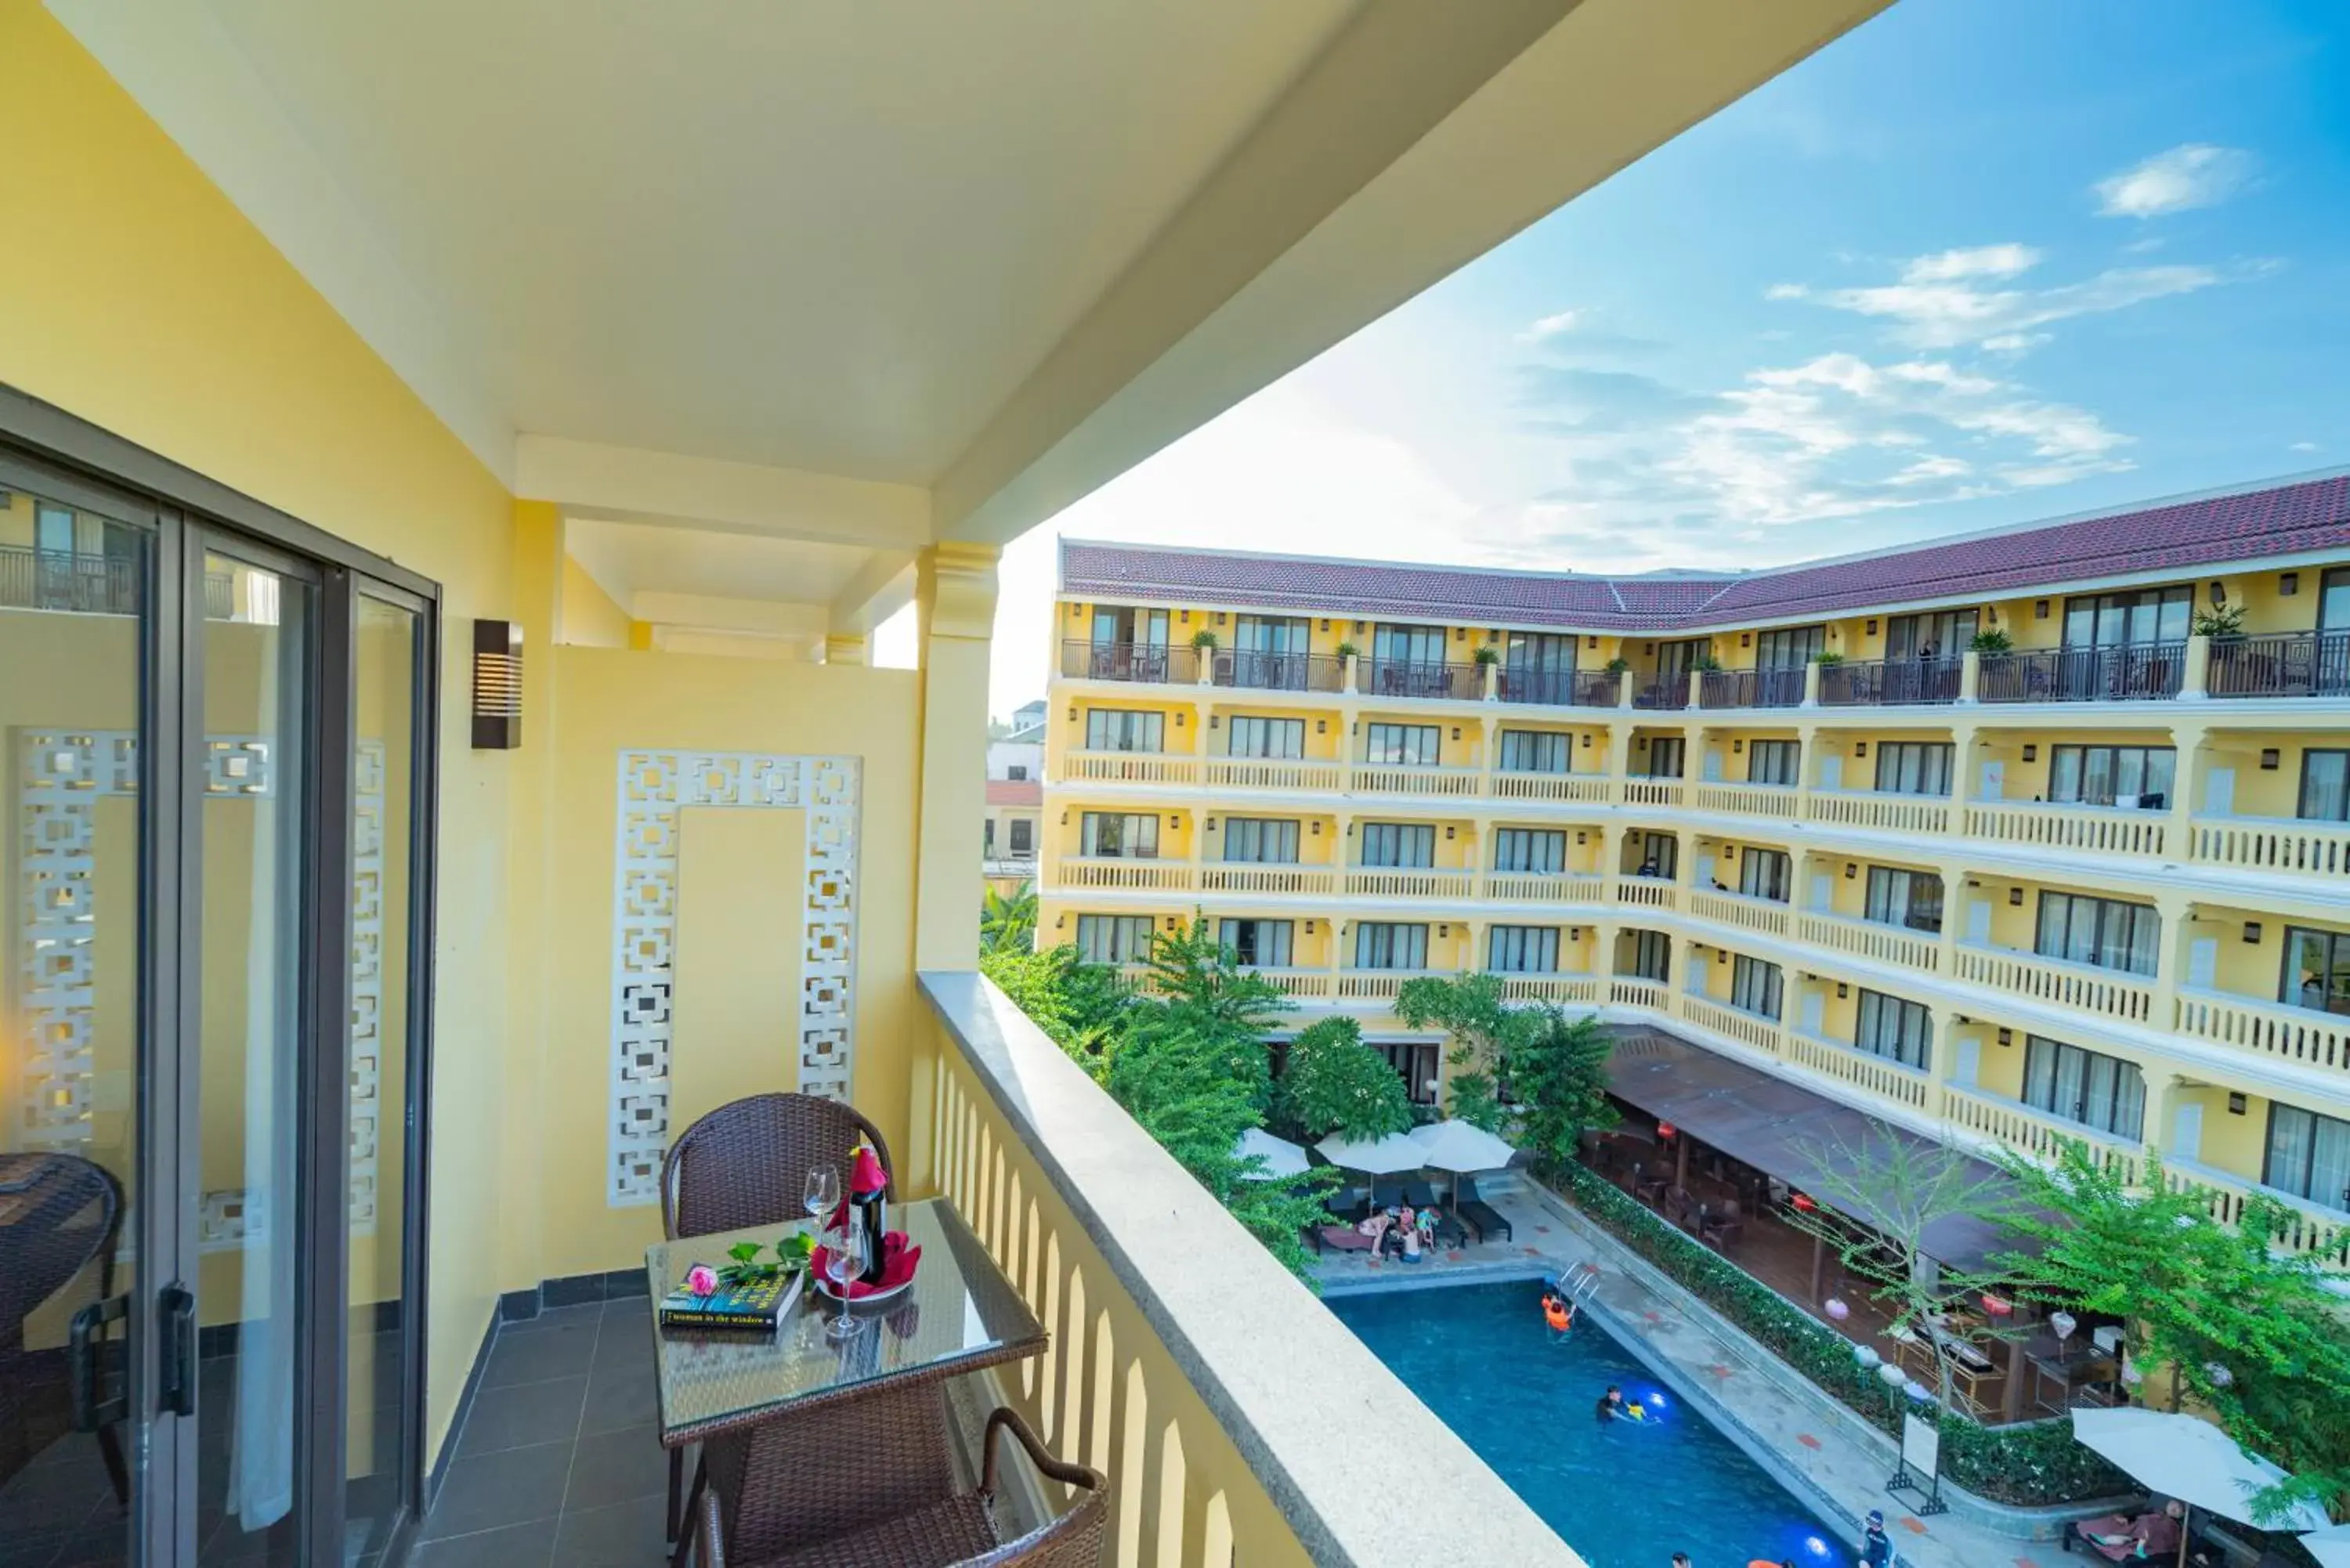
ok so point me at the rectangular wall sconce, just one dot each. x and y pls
(497, 685)
(1860, 747)
(1591, 642)
(1586, 740)
(1850, 870)
(2236, 1104)
(1309, 928)
(2288, 584)
(1326, 626)
(1581, 836)
(1359, 629)
(2007, 1036)
(1842, 990)
(1445, 930)
(1174, 922)
(1180, 717)
(1215, 720)
(1456, 731)
(1212, 825)
(1219, 617)
(2218, 593)
(1073, 715)
(1737, 746)
(1174, 819)
(2270, 757)
(1745, 639)
(2252, 933)
(2032, 753)
(1448, 832)
(1186, 616)
(2016, 897)
(1317, 830)
(2039, 609)
(1872, 629)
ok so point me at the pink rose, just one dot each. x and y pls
(701, 1279)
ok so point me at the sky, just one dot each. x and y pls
(1976, 262)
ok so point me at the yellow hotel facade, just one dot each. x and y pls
(2093, 882)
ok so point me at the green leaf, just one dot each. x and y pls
(744, 1252)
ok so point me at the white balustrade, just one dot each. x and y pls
(1123, 875)
(1872, 940)
(1765, 915)
(1748, 799)
(1274, 773)
(2272, 843)
(2108, 993)
(1648, 892)
(1260, 877)
(1394, 882)
(1131, 767)
(1588, 789)
(2100, 829)
(2032, 1131)
(1653, 792)
(1763, 1033)
(2301, 1036)
(1877, 1074)
(1447, 783)
(1881, 809)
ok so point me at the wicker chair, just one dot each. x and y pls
(956, 1530)
(744, 1164)
(65, 1213)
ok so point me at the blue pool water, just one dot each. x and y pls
(1625, 1494)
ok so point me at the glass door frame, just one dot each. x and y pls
(56, 453)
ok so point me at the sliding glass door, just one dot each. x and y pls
(216, 742)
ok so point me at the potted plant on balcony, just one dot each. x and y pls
(2221, 623)
(1617, 665)
(1347, 651)
(1486, 654)
(1827, 657)
(1992, 641)
(1706, 664)
(1205, 641)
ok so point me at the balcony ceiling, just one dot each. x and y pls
(884, 273)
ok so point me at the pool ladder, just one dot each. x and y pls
(1580, 1283)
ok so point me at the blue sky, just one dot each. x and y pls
(1978, 262)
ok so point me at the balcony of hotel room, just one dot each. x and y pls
(1539, 758)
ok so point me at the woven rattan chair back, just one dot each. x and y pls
(747, 1163)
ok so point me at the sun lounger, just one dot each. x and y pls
(1345, 1237)
(1487, 1219)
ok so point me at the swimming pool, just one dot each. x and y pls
(1625, 1494)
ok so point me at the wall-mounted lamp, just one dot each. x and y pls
(1309, 928)
(2007, 1036)
(1640, 743)
(1591, 642)
(1174, 819)
(2288, 583)
(1456, 731)
(1179, 719)
(1174, 922)
(1445, 930)
(1317, 830)
(1448, 832)
(1215, 720)
(1586, 740)
(1326, 626)
(2270, 759)
(1321, 726)
(2236, 1104)
(2039, 609)
(2032, 753)
(1575, 933)
(1060, 922)
(1219, 617)
(1842, 990)
(2252, 933)
(1065, 817)
(2016, 897)
(1737, 746)
(1581, 836)
(1073, 715)
(1212, 825)
(1186, 616)
(1860, 747)
(2218, 593)
(1872, 629)
(1745, 639)
(1850, 870)
(497, 685)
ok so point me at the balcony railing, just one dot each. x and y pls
(1561, 687)
(1262, 878)
(1863, 1069)
(1747, 1028)
(2102, 829)
(1747, 799)
(2310, 1228)
(2284, 664)
(1254, 671)
(1654, 791)
(1381, 984)
(1545, 887)
(87, 583)
(1409, 882)
(1307, 984)
(2107, 993)
(1131, 767)
(1590, 788)
(1561, 988)
(1648, 892)
(2301, 1036)
(1767, 916)
(1209, 1421)
(1403, 778)
(1127, 873)
(1148, 662)
(1661, 691)
(1889, 683)
(2034, 1131)
(1274, 773)
(1394, 678)
(2273, 844)
(2131, 673)
(1872, 940)
(1750, 689)
(1884, 810)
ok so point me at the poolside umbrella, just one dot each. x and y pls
(1281, 1157)
(2189, 1459)
(2329, 1546)
(1377, 1156)
(1457, 1147)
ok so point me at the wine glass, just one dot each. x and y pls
(844, 1263)
(822, 1195)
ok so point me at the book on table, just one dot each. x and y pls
(756, 1308)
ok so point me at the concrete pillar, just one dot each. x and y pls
(1696, 689)
(1624, 689)
(1969, 678)
(2177, 913)
(954, 597)
(1812, 684)
(2195, 681)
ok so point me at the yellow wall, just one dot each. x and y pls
(590, 618)
(162, 316)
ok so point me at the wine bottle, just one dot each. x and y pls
(868, 1207)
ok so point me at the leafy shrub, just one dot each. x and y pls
(1205, 641)
(1617, 665)
(1992, 641)
(1335, 1083)
(1486, 653)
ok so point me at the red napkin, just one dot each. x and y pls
(897, 1263)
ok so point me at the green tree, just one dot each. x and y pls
(1335, 1083)
(1074, 1002)
(1553, 1067)
(2253, 1335)
(1008, 924)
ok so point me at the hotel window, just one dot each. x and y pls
(1115, 627)
(1408, 644)
(1530, 850)
(1263, 840)
(1664, 757)
(2096, 1091)
(1754, 987)
(1910, 898)
(2105, 932)
(1674, 658)
(1024, 836)
(2111, 775)
(1281, 637)
(2316, 970)
(1399, 845)
(1790, 647)
(1114, 939)
(1261, 944)
(1773, 761)
(1935, 636)
(1017, 773)
(1415, 1061)
(1535, 751)
(1282, 739)
(1405, 746)
(2112, 620)
(1660, 856)
(1120, 836)
(1651, 955)
(1913, 767)
(1521, 950)
(1121, 729)
(1894, 1029)
(1380, 944)
(1764, 874)
(2308, 1156)
(2324, 785)
(987, 839)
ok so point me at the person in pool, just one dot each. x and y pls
(1612, 1407)
(1875, 1546)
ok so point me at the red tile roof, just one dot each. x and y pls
(2241, 525)
(1015, 792)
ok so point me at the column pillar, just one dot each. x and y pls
(2177, 913)
(2195, 679)
(1969, 678)
(954, 596)
(1812, 684)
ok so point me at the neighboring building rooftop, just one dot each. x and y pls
(2186, 531)
(1015, 792)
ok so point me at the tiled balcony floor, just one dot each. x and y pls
(557, 1462)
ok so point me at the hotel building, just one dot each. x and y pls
(2001, 835)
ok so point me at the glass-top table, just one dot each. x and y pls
(960, 1315)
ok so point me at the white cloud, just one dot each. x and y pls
(1549, 327)
(2016, 342)
(1982, 260)
(2195, 175)
(2303, 446)
(1945, 300)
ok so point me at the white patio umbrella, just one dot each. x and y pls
(1457, 1147)
(2189, 1459)
(1377, 1156)
(1281, 1157)
(2329, 1546)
